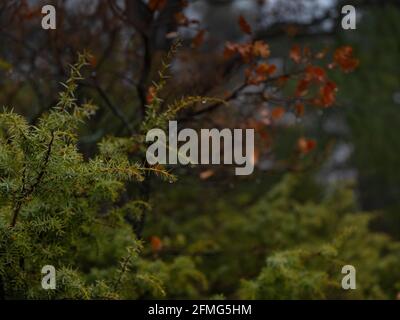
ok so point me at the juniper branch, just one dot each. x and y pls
(27, 191)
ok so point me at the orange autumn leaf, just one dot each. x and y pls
(156, 244)
(198, 40)
(295, 53)
(92, 61)
(305, 145)
(315, 73)
(261, 49)
(244, 25)
(151, 92)
(328, 94)
(265, 69)
(254, 78)
(155, 5)
(302, 87)
(245, 50)
(343, 57)
(282, 80)
(319, 74)
(272, 69)
(262, 69)
(277, 113)
(206, 174)
(260, 73)
(230, 50)
(181, 19)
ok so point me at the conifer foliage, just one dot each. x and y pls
(58, 208)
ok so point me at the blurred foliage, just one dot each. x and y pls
(370, 102)
(284, 244)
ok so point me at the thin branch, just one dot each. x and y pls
(27, 191)
(234, 94)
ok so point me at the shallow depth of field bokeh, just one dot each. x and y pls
(76, 192)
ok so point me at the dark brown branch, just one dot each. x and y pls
(234, 94)
(114, 109)
(27, 191)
